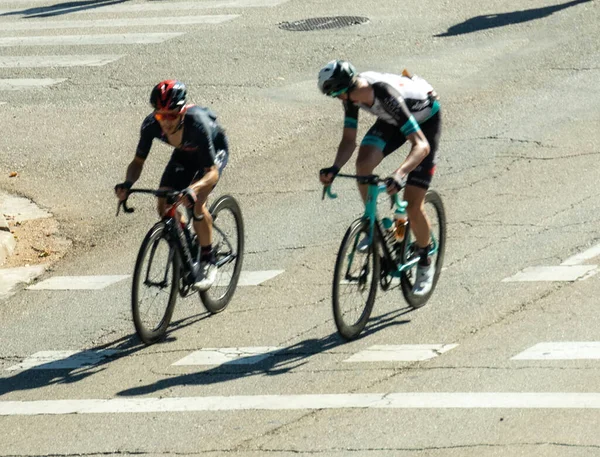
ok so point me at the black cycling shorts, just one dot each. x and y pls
(389, 138)
(180, 173)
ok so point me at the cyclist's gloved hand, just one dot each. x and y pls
(395, 183)
(122, 188)
(327, 175)
(189, 197)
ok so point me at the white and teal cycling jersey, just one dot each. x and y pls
(403, 101)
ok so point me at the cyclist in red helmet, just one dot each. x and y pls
(197, 162)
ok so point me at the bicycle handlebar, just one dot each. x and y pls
(168, 193)
(371, 180)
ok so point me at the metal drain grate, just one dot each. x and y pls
(322, 23)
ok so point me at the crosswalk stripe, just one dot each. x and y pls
(566, 350)
(401, 353)
(228, 356)
(57, 61)
(77, 282)
(21, 84)
(554, 273)
(61, 360)
(581, 257)
(131, 22)
(75, 40)
(395, 400)
(147, 7)
(250, 278)
(247, 278)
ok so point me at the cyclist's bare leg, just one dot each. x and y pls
(368, 158)
(415, 196)
(203, 227)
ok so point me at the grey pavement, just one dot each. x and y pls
(517, 170)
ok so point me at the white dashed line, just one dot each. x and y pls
(80, 40)
(553, 273)
(57, 61)
(77, 282)
(401, 353)
(229, 356)
(403, 400)
(60, 360)
(589, 350)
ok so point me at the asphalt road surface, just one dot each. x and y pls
(503, 360)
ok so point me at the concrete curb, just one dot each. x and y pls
(7, 246)
(18, 209)
(7, 240)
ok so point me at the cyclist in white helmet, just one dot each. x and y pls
(407, 109)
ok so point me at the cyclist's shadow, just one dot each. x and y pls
(274, 363)
(82, 364)
(72, 369)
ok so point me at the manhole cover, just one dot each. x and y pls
(322, 23)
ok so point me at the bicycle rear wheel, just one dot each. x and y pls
(434, 209)
(228, 245)
(155, 285)
(355, 282)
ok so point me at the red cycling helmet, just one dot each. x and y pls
(168, 95)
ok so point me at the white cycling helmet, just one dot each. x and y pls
(336, 76)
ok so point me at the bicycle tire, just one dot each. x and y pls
(414, 301)
(148, 247)
(217, 304)
(348, 247)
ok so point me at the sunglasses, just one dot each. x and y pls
(338, 92)
(166, 116)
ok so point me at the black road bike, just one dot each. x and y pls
(168, 257)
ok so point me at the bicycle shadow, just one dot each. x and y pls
(61, 8)
(490, 21)
(390, 319)
(83, 364)
(274, 363)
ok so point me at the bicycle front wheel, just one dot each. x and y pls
(228, 245)
(434, 209)
(155, 285)
(355, 281)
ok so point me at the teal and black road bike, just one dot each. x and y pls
(370, 255)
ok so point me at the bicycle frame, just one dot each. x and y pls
(376, 187)
(179, 232)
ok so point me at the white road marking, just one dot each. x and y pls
(561, 351)
(60, 360)
(56, 61)
(554, 273)
(250, 278)
(229, 356)
(78, 40)
(247, 278)
(588, 254)
(34, 24)
(403, 400)
(24, 84)
(146, 7)
(77, 282)
(401, 353)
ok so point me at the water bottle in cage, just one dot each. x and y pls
(400, 222)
